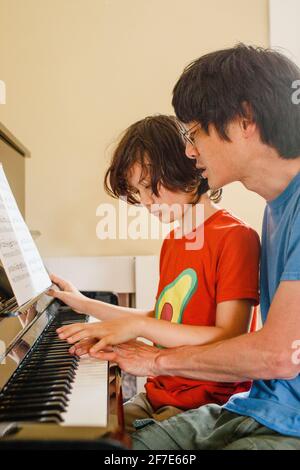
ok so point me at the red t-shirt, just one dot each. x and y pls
(192, 283)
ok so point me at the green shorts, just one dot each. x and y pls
(139, 408)
(209, 427)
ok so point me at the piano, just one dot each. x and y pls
(48, 398)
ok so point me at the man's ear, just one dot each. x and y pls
(248, 127)
(247, 124)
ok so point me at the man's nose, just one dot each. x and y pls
(191, 151)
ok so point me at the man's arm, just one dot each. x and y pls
(265, 354)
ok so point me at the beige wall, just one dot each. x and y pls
(78, 72)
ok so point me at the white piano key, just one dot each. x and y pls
(88, 405)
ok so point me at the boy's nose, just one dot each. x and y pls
(146, 200)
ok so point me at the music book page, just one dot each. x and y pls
(18, 253)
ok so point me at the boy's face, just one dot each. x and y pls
(222, 161)
(168, 206)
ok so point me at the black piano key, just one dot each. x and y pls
(54, 346)
(30, 372)
(36, 384)
(51, 388)
(28, 378)
(33, 400)
(44, 365)
(52, 356)
(51, 366)
(53, 352)
(30, 416)
(41, 381)
(34, 407)
(54, 342)
(36, 397)
(47, 352)
(57, 361)
(51, 419)
(59, 347)
(54, 373)
(50, 333)
(53, 337)
(73, 317)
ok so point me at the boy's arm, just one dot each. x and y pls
(232, 319)
(71, 296)
(105, 312)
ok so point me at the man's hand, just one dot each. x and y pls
(134, 357)
(109, 333)
(69, 295)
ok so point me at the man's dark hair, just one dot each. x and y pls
(222, 85)
(156, 144)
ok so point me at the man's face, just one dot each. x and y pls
(220, 160)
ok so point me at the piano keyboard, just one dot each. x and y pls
(50, 386)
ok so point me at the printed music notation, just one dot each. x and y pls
(18, 253)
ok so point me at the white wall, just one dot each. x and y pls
(284, 27)
(78, 72)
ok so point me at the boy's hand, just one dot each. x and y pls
(82, 347)
(109, 333)
(69, 295)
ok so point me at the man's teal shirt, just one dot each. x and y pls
(276, 403)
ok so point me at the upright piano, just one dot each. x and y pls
(48, 398)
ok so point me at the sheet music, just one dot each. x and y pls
(18, 252)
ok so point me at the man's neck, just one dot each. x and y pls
(270, 175)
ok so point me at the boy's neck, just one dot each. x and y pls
(196, 218)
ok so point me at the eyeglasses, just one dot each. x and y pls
(186, 134)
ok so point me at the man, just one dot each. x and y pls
(241, 123)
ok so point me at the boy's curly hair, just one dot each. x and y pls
(156, 144)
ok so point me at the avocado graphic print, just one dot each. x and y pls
(175, 296)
